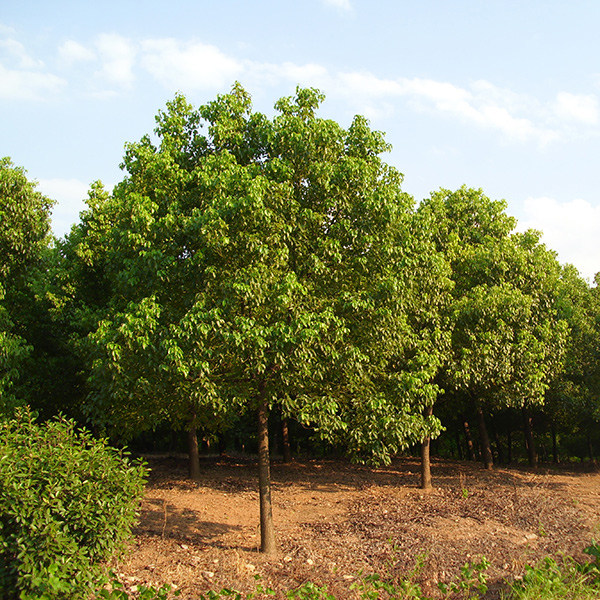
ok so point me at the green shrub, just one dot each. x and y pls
(67, 503)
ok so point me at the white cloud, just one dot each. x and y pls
(6, 30)
(22, 77)
(480, 103)
(570, 228)
(367, 84)
(17, 51)
(28, 85)
(191, 65)
(70, 195)
(272, 74)
(343, 4)
(117, 54)
(577, 107)
(73, 52)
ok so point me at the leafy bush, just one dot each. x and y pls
(67, 503)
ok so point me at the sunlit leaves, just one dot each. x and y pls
(507, 338)
(246, 254)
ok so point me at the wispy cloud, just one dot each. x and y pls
(571, 228)
(22, 76)
(19, 84)
(15, 50)
(116, 62)
(342, 4)
(577, 107)
(117, 55)
(481, 103)
(191, 65)
(71, 52)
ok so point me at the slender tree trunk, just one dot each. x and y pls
(425, 456)
(193, 451)
(486, 450)
(497, 443)
(469, 439)
(554, 444)
(222, 444)
(267, 529)
(529, 440)
(285, 439)
(458, 443)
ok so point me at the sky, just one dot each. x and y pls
(500, 95)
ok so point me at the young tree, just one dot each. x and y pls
(256, 263)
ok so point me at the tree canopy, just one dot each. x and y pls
(249, 266)
(24, 236)
(252, 263)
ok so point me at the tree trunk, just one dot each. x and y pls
(425, 456)
(529, 440)
(469, 439)
(193, 451)
(486, 450)
(554, 444)
(458, 444)
(267, 529)
(497, 443)
(285, 439)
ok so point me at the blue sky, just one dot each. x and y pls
(498, 95)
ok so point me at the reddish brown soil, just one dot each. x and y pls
(336, 520)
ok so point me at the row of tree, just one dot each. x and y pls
(248, 264)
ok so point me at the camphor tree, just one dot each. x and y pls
(255, 263)
(507, 340)
(573, 405)
(24, 237)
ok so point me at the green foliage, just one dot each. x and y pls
(244, 258)
(508, 337)
(24, 236)
(24, 221)
(573, 404)
(553, 580)
(472, 580)
(310, 591)
(67, 503)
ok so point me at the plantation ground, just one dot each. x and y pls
(335, 520)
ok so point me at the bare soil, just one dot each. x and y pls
(335, 520)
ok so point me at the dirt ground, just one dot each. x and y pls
(335, 520)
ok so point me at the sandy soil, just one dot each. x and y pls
(335, 520)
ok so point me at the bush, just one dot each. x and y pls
(67, 503)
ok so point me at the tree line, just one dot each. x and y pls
(249, 266)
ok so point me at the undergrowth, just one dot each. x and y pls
(564, 579)
(552, 579)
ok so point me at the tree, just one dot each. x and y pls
(24, 237)
(507, 340)
(261, 263)
(572, 403)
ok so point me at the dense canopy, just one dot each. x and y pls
(256, 270)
